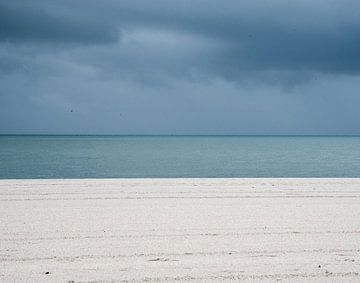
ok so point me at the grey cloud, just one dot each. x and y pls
(303, 35)
(319, 36)
(307, 35)
(27, 21)
(186, 67)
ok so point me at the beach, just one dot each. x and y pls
(160, 230)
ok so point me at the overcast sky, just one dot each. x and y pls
(180, 67)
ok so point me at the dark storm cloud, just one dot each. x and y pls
(166, 66)
(283, 35)
(303, 35)
(28, 21)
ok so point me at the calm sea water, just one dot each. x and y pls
(184, 156)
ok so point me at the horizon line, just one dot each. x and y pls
(192, 135)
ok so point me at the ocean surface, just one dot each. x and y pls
(178, 156)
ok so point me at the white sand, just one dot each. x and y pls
(180, 229)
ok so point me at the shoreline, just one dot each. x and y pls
(155, 230)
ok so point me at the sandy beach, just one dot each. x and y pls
(159, 230)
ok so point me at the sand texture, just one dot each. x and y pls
(200, 230)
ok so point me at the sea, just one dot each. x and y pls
(45, 157)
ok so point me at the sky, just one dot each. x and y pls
(250, 67)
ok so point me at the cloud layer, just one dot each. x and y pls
(180, 67)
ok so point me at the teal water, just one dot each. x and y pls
(177, 156)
